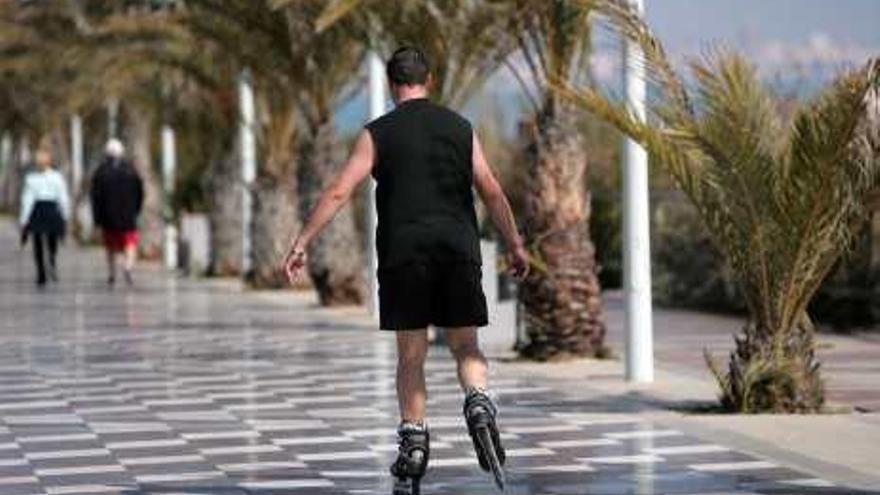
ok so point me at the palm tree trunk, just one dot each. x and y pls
(561, 299)
(225, 215)
(275, 219)
(772, 371)
(335, 262)
(139, 136)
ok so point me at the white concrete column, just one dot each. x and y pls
(377, 109)
(5, 151)
(636, 227)
(169, 172)
(76, 155)
(248, 147)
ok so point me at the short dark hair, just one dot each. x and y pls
(408, 65)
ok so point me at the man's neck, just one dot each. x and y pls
(411, 94)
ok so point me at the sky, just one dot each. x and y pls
(775, 34)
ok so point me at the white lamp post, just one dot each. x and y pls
(76, 154)
(636, 227)
(377, 108)
(248, 165)
(169, 170)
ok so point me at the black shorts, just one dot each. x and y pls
(417, 295)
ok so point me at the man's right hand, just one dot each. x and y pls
(294, 262)
(519, 262)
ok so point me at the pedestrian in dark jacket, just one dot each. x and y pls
(117, 196)
(45, 208)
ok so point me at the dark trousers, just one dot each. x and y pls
(41, 242)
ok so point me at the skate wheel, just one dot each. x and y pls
(488, 449)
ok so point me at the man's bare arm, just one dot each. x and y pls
(334, 197)
(499, 208)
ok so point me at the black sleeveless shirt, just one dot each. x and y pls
(424, 186)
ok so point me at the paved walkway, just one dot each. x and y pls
(195, 387)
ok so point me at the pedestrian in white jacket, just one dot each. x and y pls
(45, 208)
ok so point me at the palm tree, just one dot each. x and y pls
(298, 76)
(561, 299)
(779, 196)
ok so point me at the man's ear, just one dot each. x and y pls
(429, 82)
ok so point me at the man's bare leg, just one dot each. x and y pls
(479, 409)
(111, 266)
(473, 370)
(412, 349)
(130, 258)
(414, 449)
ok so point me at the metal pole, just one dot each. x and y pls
(248, 165)
(76, 154)
(636, 227)
(169, 170)
(377, 108)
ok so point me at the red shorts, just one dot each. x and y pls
(119, 240)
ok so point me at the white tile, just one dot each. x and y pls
(189, 401)
(110, 409)
(285, 425)
(159, 460)
(252, 394)
(370, 432)
(213, 435)
(43, 419)
(177, 477)
(809, 483)
(622, 459)
(286, 484)
(67, 454)
(66, 437)
(264, 406)
(723, 467)
(523, 430)
(585, 442)
(321, 399)
(347, 412)
(686, 449)
(71, 489)
(261, 466)
(125, 427)
(557, 468)
(203, 416)
(241, 449)
(354, 474)
(337, 456)
(146, 444)
(529, 452)
(311, 440)
(18, 480)
(638, 434)
(453, 462)
(66, 471)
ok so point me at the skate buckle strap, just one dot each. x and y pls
(408, 464)
(477, 398)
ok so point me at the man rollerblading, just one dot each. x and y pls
(427, 161)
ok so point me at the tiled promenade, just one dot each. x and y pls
(195, 387)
